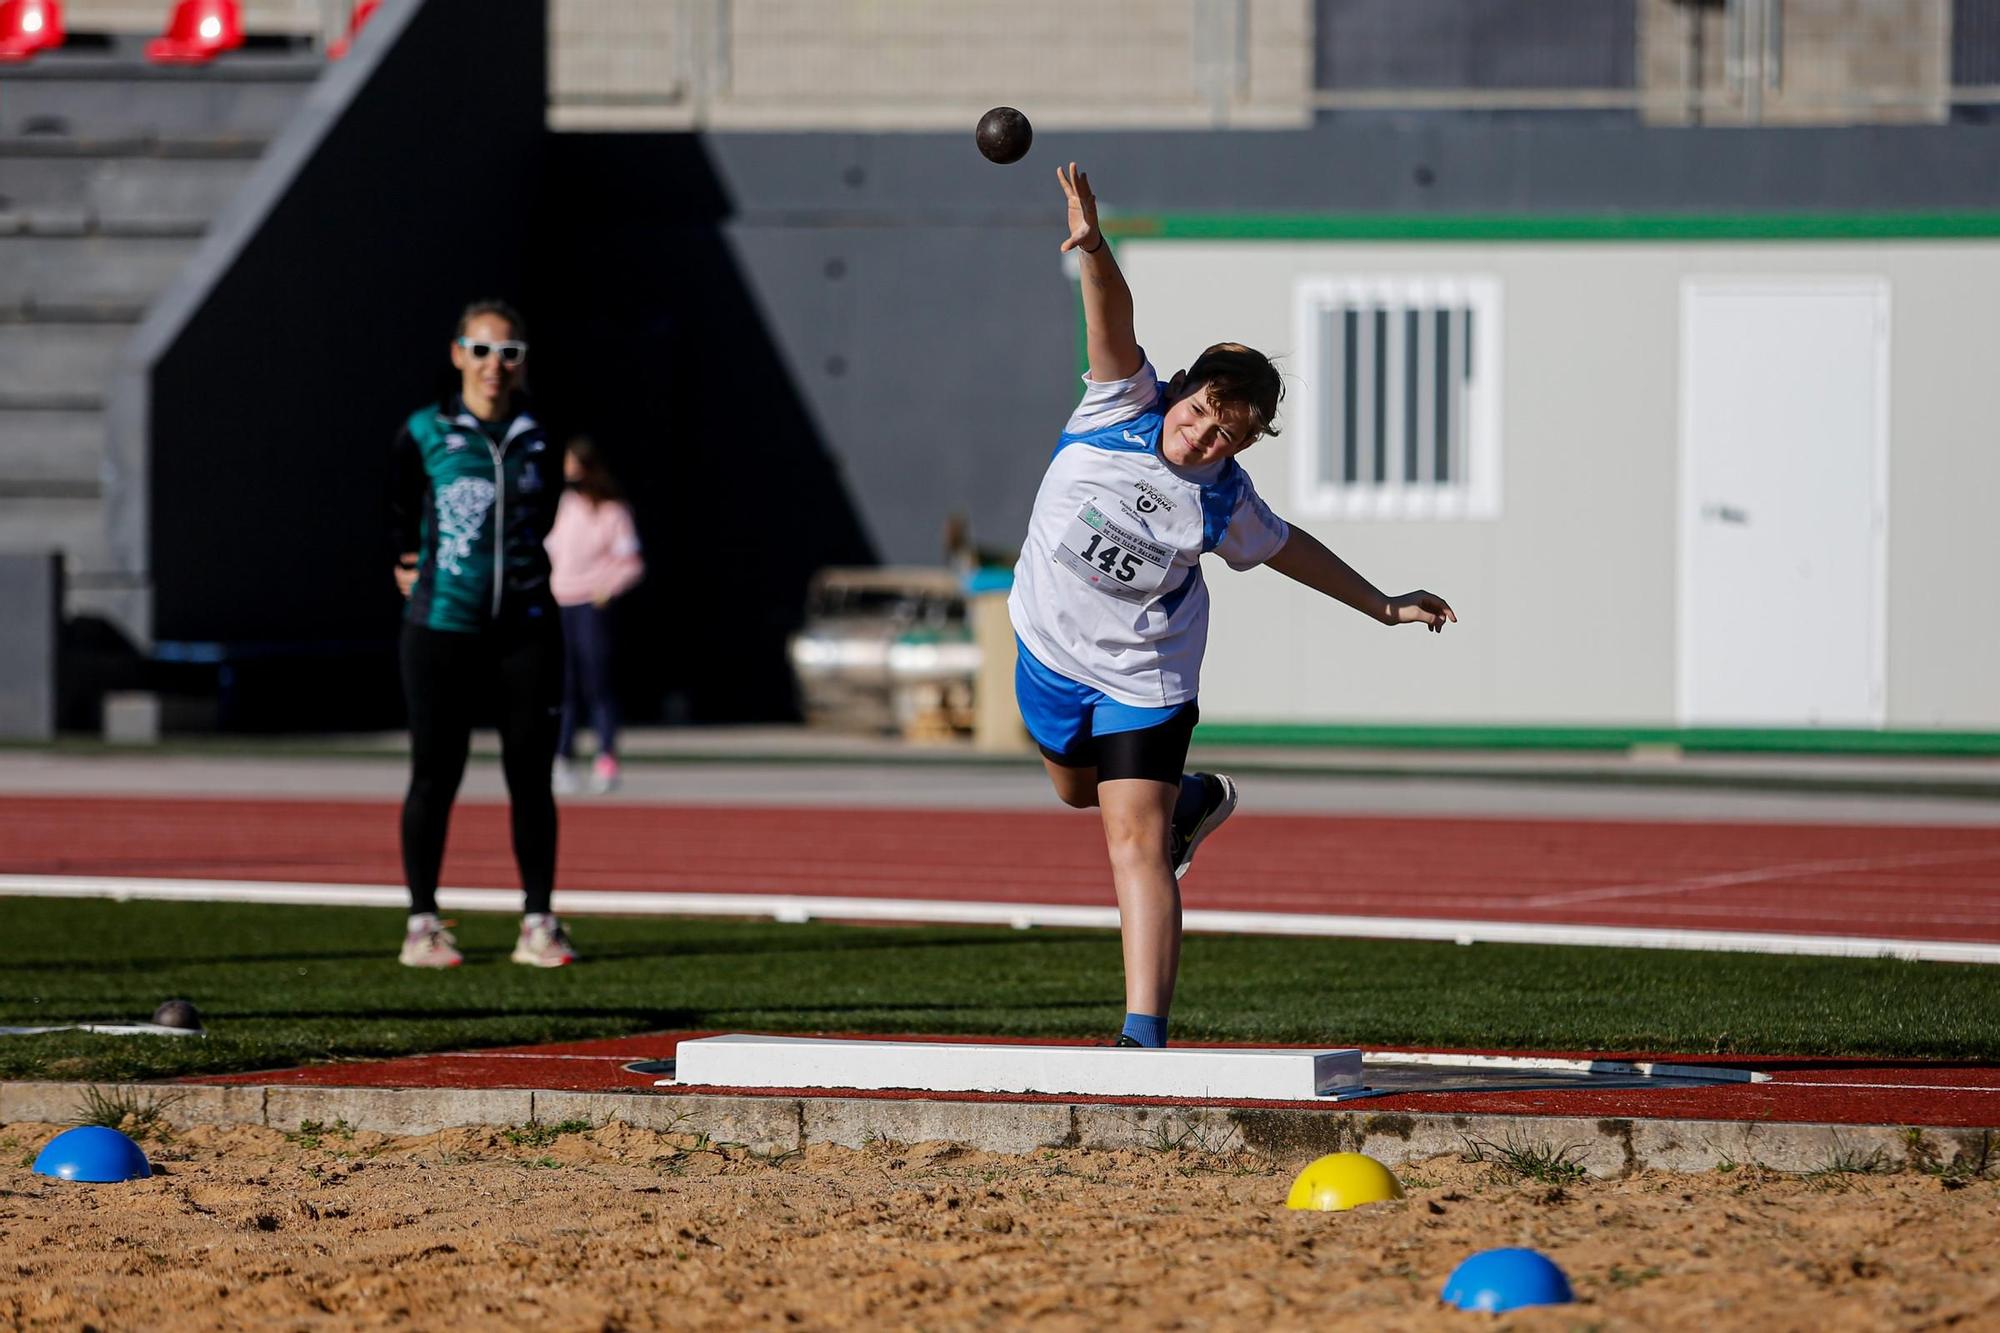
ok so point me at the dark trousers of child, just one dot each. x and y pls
(587, 679)
(512, 674)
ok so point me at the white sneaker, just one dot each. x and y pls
(562, 778)
(604, 774)
(430, 946)
(543, 943)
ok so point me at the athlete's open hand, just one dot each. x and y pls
(1083, 232)
(1421, 608)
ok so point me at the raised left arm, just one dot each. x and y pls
(1305, 559)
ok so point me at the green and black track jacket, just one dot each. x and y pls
(475, 501)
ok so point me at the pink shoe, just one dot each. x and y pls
(604, 774)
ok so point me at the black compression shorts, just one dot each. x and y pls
(1157, 754)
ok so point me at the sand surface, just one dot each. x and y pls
(618, 1228)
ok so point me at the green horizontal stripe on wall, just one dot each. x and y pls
(1795, 740)
(1544, 227)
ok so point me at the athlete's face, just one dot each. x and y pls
(1198, 431)
(486, 381)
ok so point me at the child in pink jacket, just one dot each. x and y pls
(593, 557)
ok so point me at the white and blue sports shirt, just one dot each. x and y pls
(1108, 591)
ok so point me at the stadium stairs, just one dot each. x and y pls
(111, 171)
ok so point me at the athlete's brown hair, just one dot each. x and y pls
(1233, 373)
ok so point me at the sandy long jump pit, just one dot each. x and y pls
(569, 1226)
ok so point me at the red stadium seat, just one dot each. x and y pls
(28, 26)
(362, 12)
(199, 31)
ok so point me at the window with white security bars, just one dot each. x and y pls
(1399, 412)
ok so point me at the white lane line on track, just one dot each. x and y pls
(1021, 916)
(1763, 875)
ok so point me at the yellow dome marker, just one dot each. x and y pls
(1343, 1180)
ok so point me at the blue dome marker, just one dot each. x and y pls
(92, 1153)
(1494, 1281)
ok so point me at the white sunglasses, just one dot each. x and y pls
(510, 352)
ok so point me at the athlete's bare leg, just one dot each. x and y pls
(1138, 814)
(1075, 787)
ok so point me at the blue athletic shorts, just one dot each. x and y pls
(1074, 724)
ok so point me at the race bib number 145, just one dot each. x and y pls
(1112, 558)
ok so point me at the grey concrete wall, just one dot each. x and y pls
(1476, 164)
(914, 303)
(1493, 44)
(953, 319)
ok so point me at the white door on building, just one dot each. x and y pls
(1784, 479)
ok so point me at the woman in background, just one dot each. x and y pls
(471, 505)
(593, 557)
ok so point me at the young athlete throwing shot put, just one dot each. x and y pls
(1112, 613)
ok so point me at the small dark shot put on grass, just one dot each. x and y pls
(178, 1014)
(1004, 135)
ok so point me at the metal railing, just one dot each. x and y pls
(927, 63)
(1743, 62)
(921, 64)
(322, 22)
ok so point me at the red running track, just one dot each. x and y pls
(1900, 882)
(1802, 1089)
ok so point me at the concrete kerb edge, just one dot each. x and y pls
(1285, 1137)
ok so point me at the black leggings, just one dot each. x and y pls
(450, 681)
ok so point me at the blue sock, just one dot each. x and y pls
(1194, 795)
(1146, 1029)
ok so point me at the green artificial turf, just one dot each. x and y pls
(286, 985)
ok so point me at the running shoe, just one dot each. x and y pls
(562, 778)
(544, 943)
(430, 946)
(1125, 1041)
(604, 774)
(1219, 805)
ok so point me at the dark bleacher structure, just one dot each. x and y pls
(224, 276)
(113, 168)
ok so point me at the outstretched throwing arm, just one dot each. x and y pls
(1107, 301)
(1304, 558)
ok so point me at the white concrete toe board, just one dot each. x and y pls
(739, 1061)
